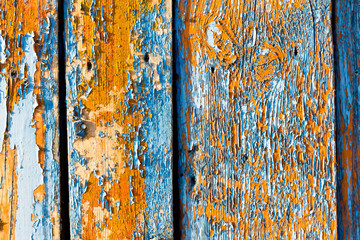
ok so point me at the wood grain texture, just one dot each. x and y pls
(256, 119)
(347, 76)
(118, 57)
(29, 174)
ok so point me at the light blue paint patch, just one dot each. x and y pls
(22, 137)
(130, 191)
(212, 29)
(2, 49)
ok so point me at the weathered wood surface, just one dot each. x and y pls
(347, 77)
(118, 71)
(29, 175)
(255, 119)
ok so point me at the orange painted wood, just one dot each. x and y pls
(29, 153)
(118, 73)
(256, 119)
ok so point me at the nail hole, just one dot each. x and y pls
(192, 181)
(13, 74)
(295, 51)
(89, 65)
(146, 57)
(212, 69)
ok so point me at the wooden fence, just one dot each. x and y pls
(160, 119)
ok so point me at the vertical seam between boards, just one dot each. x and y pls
(63, 146)
(176, 209)
(335, 78)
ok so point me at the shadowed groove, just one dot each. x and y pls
(63, 148)
(175, 172)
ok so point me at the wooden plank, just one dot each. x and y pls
(118, 56)
(347, 78)
(29, 175)
(256, 119)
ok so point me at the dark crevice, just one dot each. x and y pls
(146, 57)
(176, 196)
(64, 175)
(336, 84)
(89, 65)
